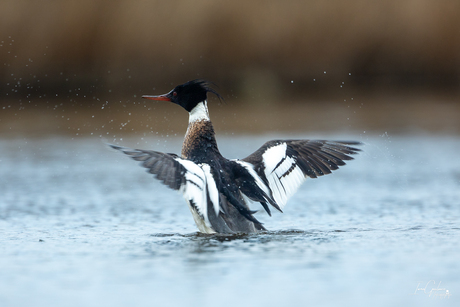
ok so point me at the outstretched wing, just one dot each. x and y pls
(165, 167)
(193, 180)
(283, 165)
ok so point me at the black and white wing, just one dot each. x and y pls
(283, 165)
(194, 181)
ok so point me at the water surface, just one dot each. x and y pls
(83, 225)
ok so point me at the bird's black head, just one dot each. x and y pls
(187, 95)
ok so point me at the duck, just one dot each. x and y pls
(218, 190)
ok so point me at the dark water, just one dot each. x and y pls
(82, 225)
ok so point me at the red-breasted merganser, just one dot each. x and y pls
(217, 189)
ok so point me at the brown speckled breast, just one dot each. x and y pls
(200, 144)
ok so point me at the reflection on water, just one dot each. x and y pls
(82, 225)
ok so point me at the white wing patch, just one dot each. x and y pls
(282, 172)
(198, 181)
(273, 155)
(250, 168)
(212, 188)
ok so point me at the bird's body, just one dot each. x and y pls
(217, 189)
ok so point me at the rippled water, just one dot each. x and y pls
(82, 225)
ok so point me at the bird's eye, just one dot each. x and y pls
(174, 94)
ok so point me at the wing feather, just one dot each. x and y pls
(283, 165)
(179, 174)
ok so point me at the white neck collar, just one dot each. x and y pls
(199, 113)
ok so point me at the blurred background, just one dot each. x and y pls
(80, 67)
(81, 224)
